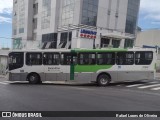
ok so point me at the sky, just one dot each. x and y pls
(149, 18)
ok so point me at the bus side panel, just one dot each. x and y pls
(83, 77)
(135, 75)
(61, 76)
(51, 76)
(151, 75)
(17, 76)
(14, 77)
(23, 76)
(42, 76)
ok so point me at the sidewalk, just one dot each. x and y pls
(2, 77)
(158, 76)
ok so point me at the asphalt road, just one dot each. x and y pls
(126, 96)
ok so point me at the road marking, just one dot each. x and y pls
(136, 85)
(148, 86)
(119, 85)
(154, 82)
(8, 81)
(158, 88)
(129, 86)
(54, 82)
(78, 88)
(3, 83)
(12, 82)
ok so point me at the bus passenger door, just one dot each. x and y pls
(85, 68)
(51, 63)
(64, 67)
(125, 63)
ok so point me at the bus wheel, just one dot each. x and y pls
(34, 78)
(103, 80)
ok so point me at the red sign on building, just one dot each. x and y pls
(88, 34)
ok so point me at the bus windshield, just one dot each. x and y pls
(16, 60)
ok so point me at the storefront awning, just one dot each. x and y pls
(118, 36)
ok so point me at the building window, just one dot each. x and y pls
(15, 2)
(33, 58)
(34, 36)
(129, 43)
(49, 40)
(15, 18)
(21, 16)
(35, 8)
(14, 32)
(35, 23)
(46, 14)
(21, 30)
(89, 12)
(17, 43)
(116, 43)
(132, 15)
(104, 42)
(68, 12)
(63, 40)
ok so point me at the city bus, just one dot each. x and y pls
(101, 66)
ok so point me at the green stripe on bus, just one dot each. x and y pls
(91, 68)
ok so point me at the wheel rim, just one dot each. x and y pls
(103, 81)
(32, 78)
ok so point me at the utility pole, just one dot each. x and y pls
(68, 36)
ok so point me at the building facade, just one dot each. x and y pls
(56, 24)
(150, 39)
(3, 61)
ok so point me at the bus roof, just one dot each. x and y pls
(85, 50)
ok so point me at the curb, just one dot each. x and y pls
(2, 76)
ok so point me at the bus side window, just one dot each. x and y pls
(143, 58)
(65, 59)
(74, 59)
(87, 58)
(106, 58)
(33, 58)
(125, 58)
(68, 58)
(51, 58)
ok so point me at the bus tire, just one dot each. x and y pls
(34, 78)
(103, 80)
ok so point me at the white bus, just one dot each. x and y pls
(82, 65)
